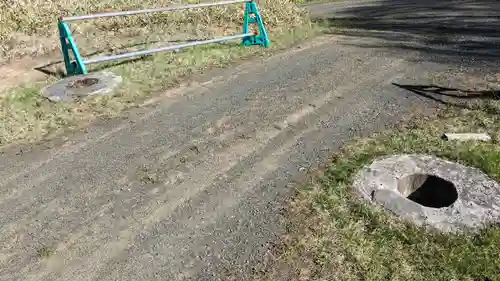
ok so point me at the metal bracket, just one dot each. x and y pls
(252, 16)
(74, 64)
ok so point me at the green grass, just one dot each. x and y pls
(335, 236)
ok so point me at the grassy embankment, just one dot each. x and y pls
(28, 28)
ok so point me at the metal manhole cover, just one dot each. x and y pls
(71, 88)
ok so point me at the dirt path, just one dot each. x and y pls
(23, 72)
(191, 188)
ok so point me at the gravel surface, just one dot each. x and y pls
(190, 187)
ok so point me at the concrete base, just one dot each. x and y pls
(470, 198)
(70, 88)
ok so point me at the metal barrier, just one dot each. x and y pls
(75, 64)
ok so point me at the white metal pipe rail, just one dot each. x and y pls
(155, 10)
(163, 49)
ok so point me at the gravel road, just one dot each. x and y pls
(190, 187)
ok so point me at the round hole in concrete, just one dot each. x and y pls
(428, 190)
(83, 83)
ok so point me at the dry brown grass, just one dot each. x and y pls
(29, 27)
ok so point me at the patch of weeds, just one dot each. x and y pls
(357, 241)
(243, 136)
(24, 114)
(184, 159)
(44, 252)
(148, 175)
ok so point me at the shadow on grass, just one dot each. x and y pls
(452, 32)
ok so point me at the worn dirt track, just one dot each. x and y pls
(191, 187)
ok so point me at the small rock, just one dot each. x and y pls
(466, 136)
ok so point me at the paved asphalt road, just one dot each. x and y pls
(190, 188)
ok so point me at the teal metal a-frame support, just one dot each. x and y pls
(74, 64)
(252, 16)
